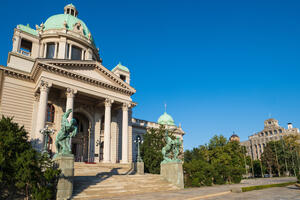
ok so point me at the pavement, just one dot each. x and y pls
(224, 192)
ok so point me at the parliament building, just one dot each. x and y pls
(56, 66)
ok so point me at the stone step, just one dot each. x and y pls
(106, 180)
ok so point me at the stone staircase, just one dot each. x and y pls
(102, 181)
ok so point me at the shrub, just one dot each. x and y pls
(24, 172)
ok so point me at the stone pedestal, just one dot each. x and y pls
(140, 168)
(173, 173)
(65, 182)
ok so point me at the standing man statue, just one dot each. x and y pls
(68, 130)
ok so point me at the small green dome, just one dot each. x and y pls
(165, 119)
(57, 22)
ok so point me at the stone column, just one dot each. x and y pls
(70, 93)
(107, 122)
(125, 134)
(55, 50)
(16, 42)
(62, 48)
(41, 115)
(70, 49)
(45, 50)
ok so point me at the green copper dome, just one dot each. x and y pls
(57, 22)
(165, 119)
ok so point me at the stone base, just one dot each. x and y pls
(173, 173)
(65, 182)
(140, 168)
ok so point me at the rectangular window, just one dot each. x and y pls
(25, 47)
(76, 53)
(50, 50)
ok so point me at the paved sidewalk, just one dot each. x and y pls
(213, 192)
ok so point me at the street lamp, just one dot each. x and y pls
(139, 141)
(46, 132)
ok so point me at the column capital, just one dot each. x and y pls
(45, 86)
(70, 93)
(125, 106)
(108, 102)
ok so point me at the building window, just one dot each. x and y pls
(266, 134)
(76, 53)
(271, 133)
(50, 113)
(280, 131)
(275, 131)
(25, 47)
(122, 77)
(50, 50)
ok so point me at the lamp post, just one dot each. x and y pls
(138, 141)
(46, 132)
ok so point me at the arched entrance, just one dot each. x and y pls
(80, 143)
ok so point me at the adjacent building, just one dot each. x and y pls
(56, 67)
(272, 132)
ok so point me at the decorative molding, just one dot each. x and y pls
(70, 93)
(125, 106)
(108, 102)
(36, 96)
(45, 86)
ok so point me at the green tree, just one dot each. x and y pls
(154, 141)
(219, 162)
(24, 172)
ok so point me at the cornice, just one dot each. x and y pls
(64, 72)
(8, 71)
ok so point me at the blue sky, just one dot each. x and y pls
(221, 66)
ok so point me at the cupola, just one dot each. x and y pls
(166, 119)
(70, 10)
(123, 72)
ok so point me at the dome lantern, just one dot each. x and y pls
(70, 10)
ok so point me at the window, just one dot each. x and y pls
(50, 113)
(76, 53)
(50, 50)
(266, 134)
(122, 77)
(275, 131)
(25, 47)
(271, 133)
(269, 122)
(280, 131)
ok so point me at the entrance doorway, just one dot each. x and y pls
(80, 142)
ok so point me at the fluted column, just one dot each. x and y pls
(70, 93)
(41, 116)
(107, 122)
(124, 133)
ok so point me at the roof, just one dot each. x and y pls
(120, 66)
(165, 119)
(27, 29)
(57, 22)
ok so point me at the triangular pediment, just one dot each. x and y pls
(88, 71)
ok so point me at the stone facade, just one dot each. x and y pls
(55, 67)
(272, 132)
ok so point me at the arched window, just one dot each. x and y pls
(50, 113)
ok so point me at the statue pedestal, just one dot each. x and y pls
(65, 182)
(173, 173)
(140, 168)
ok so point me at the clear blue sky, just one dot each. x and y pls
(221, 66)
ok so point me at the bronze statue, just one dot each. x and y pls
(63, 138)
(171, 150)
